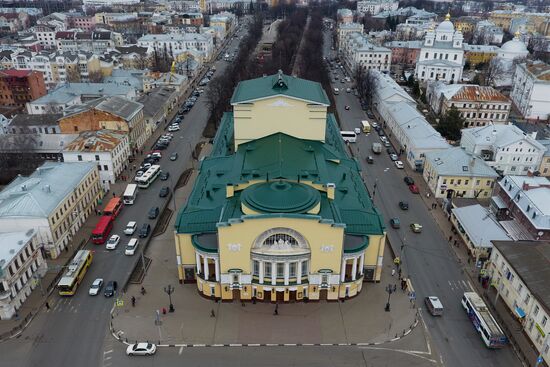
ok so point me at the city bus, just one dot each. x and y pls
(102, 230)
(148, 177)
(75, 272)
(114, 206)
(366, 126)
(130, 194)
(484, 323)
(349, 136)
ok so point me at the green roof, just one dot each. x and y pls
(272, 159)
(279, 84)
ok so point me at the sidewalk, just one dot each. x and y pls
(358, 320)
(519, 341)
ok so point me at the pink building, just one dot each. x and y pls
(87, 23)
(404, 52)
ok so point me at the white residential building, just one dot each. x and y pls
(344, 29)
(108, 149)
(520, 273)
(506, 148)
(178, 43)
(531, 90)
(397, 110)
(55, 200)
(374, 7)
(442, 55)
(21, 268)
(358, 52)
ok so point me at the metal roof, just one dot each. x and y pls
(457, 162)
(96, 141)
(499, 136)
(70, 91)
(40, 193)
(12, 244)
(531, 262)
(480, 225)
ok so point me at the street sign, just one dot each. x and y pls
(119, 302)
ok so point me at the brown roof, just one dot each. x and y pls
(96, 141)
(479, 94)
(540, 70)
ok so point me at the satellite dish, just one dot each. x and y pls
(540, 233)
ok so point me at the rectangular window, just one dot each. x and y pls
(256, 264)
(304, 268)
(267, 270)
(536, 311)
(544, 321)
(97, 157)
(280, 270)
(292, 270)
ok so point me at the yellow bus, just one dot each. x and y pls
(75, 272)
(366, 126)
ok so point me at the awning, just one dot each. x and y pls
(520, 312)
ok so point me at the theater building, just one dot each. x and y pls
(279, 211)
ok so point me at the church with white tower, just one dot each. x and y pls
(442, 54)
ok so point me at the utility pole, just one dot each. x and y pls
(169, 290)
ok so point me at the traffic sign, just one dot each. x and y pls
(119, 302)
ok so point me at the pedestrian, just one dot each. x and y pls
(212, 314)
(113, 194)
(133, 301)
(456, 244)
(242, 304)
(392, 272)
(469, 260)
(143, 291)
(394, 287)
(47, 306)
(399, 274)
(450, 238)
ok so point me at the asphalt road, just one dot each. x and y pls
(72, 331)
(427, 257)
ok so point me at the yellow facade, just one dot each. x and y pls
(267, 116)
(475, 58)
(460, 186)
(544, 168)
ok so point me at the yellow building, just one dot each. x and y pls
(466, 24)
(544, 168)
(477, 54)
(455, 173)
(279, 211)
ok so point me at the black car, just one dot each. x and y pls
(153, 213)
(404, 205)
(110, 289)
(144, 230)
(160, 146)
(408, 180)
(164, 192)
(164, 175)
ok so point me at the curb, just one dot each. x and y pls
(117, 335)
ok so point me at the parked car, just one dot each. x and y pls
(153, 213)
(141, 349)
(393, 157)
(161, 146)
(131, 247)
(130, 228)
(164, 192)
(414, 189)
(174, 156)
(416, 228)
(395, 223)
(386, 144)
(404, 205)
(96, 287)
(173, 128)
(110, 289)
(373, 124)
(144, 230)
(112, 243)
(399, 164)
(408, 180)
(370, 160)
(164, 175)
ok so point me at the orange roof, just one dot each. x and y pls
(479, 94)
(540, 70)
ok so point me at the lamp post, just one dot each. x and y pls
(389, 289)
(169, 290)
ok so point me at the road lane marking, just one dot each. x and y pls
(107, 358)
(108, 351)
(181, 350)
(471, 287)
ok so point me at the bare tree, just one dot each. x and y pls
(493, 71)
(95, 77)
(73, 76)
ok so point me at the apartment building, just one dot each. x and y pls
(358, 52)
(18, 87)
(178, 43)
(344, 29)
(21, 267)
(55, 200)
(373, 7)
(530, 90)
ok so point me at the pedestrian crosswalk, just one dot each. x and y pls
(460, 286)
(65, 305)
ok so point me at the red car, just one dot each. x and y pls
(414, 189)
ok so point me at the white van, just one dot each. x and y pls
(434, 305)
(131, 247)
(336, 91)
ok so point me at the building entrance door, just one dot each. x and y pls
(267, 296)
(236, 294)
(280, 296)
(292, 296)
(323, 294)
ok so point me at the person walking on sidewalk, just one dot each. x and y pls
(212, 314)
(47, 306)
(133, 301)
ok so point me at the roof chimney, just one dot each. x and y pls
(525, 186)
(330, 190)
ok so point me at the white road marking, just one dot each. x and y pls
(107, 358)
(471, 287)
(108, 351)
(180, 351)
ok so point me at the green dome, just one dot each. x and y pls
(280, 197)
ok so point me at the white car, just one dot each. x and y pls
(399, 164)
(131, 247)
(357, 130)
(130, 228)
(141, 349)
(113, 242)
(173, 128)
(96, 287)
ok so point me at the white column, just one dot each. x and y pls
(343, 271)
(273, 273)
(261, 272)
(198, 261)
(354, 269)
(217, 264)
(287, 272)
(361, 263)
(205, 268)
(299, 272)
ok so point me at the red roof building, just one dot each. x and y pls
(17, 87)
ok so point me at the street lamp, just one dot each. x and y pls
(389, 289)
(374, 188)
(169, 290)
